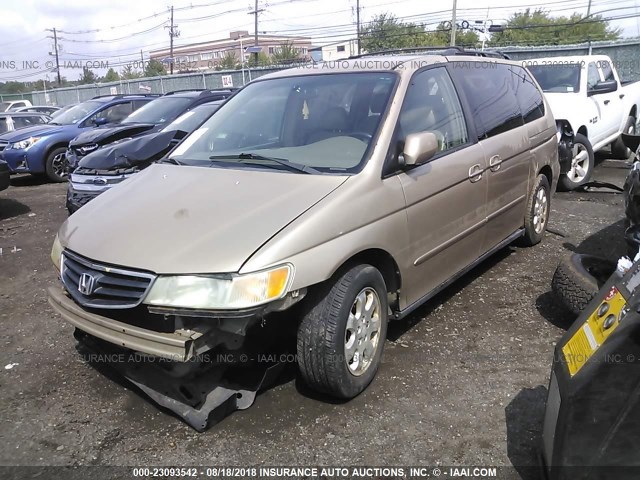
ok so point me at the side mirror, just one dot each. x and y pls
(607, 86)
(100, 121)
(419, 148)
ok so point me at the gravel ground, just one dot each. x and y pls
(463, 380)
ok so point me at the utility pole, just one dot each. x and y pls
(453, 25)
(55, 48)
(255, 12)
(589, 9)
(358, 24)
(173, 33)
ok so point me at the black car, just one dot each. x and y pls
(108, 166)
(151, 118)
(10, 121)
(4, 175)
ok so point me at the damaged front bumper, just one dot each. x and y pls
(202, 367)
(174, 346)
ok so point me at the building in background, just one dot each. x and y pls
(338, 50)
(207, 55)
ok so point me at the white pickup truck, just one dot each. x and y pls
(592, 107)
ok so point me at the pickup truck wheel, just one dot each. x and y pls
(618, 148)
(341, 338)
(56, 165)
(581, 165)
(537, 216)
(578, 278)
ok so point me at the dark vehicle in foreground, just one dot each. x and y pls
(4, 175)
(108, 166)
(593, 407)
(10, 121)
(151, 118)
(41, 149)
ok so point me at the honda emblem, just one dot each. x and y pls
(85, 284)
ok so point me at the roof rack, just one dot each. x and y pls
(444, 51)
(127, 95)
(203, 91)
(185, 90)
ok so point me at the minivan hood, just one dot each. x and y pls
(34, 131)
(180, 219)
(105, 135)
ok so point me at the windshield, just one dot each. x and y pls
(557, 77)
(325, 122)
(161, 110)
(189, 121)
(77, 113)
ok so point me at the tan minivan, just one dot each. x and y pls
(350, 191)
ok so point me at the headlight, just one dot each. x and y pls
(24, 144)
(56, 253)
(221, 293)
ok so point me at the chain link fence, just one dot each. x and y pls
(623, 53)
(163, 84)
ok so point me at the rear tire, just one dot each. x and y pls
(56, 165)
(582, 165)
(618, 148)
(537, 216)
(341, 337)
(578, 279)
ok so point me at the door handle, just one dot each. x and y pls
(494, 163)
(475, 173)
(606, 102)
(621, 95)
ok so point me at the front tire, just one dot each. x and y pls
(618, 148)
(537, 216)
(341, 338)
(56, 165)
(582, 165)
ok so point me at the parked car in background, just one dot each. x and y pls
(353, 195)
(46, 109)
(11, 104)
(4, 175)
(592, 107)
(110, 165)
(62, 110)
(41, 149)
(151, 118)
(10, 121)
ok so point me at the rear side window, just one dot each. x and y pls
(528, 96)
(489, 91)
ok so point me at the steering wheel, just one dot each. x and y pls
(364, 136)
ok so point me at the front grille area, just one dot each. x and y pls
(101, 286)
(3, 145)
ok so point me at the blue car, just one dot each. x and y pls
(41, 149)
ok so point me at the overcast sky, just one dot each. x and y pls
(115, 31)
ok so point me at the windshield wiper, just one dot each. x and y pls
(258, 159)
(171, 160)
